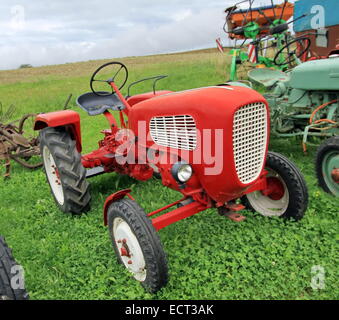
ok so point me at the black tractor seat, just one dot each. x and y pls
(95, 105)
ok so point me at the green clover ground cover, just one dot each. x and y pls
(210, 257)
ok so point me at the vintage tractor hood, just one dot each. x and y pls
(320, 74)
(211, 108)
(206, 103)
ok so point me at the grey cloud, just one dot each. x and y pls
(75, 30)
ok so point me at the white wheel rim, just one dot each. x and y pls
(267, 206)
(125, 238)
(53, 176)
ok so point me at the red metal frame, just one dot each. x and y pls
(178, 214)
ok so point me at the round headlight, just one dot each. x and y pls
(184, 173)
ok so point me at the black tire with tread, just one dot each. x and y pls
(148, 238)
(328, 145)
(72, 173)
(6, 263)
(295, 182)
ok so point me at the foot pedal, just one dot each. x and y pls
(92, 172)
(236, 217)
(231, 211)
(235, 207)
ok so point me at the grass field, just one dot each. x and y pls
(210, 257)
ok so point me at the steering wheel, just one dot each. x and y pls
(292, 55)
(116, 69)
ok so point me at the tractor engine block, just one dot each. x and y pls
(117, 155)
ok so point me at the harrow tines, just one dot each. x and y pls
(16, 143)
(273, 8)
(68, 101)
(8, 114)
(283, 10)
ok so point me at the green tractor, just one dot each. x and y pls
(305, 102)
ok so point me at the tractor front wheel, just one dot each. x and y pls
(286, 194)
(64, 171)
(137, 244)
(327, 165)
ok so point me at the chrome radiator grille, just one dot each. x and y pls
(249, 141)
(177, 132)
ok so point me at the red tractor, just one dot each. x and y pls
(209, 144)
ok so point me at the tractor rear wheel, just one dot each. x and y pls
(7, 262)
(64, 171)
(137, 244)
(327, 165)
(286, 194)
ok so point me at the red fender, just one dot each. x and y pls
(66, 118)
(114, 197)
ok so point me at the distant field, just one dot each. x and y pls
(44, 89)
(210, 257)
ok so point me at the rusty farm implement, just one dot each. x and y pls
(18, 141)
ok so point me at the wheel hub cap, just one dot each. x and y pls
(53, 175)
(129, 248)
(274, 200)
(330, 171)
(335, 175)
(275, 189)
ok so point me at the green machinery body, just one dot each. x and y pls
(304, 101)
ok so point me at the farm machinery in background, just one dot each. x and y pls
(305, 102)
(302, 95)
(262, 38)
(18, 141)
(209, 144)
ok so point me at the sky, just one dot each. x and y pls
(40, 32)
